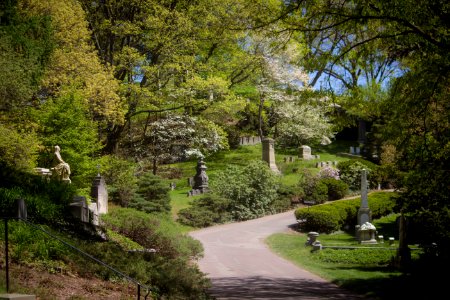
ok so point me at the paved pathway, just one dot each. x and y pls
(241, 266)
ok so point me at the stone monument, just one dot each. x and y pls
(200, 180)
(364, 229)
(61, 169)
(268, 154)
(364, 213)
(99, 194)
(305, 152)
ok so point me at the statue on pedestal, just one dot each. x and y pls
(62, 169)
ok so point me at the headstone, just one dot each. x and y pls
(357, 150)
(21, 209)
(191, 181)
(352, 150)
(200, 180)
(305, 152)
(268, 154)
(80, 209)
(100, 194)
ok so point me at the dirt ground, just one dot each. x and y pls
(58, 286)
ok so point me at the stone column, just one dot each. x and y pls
(364, 213)
(268, 154)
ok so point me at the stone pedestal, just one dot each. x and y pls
(268, 154)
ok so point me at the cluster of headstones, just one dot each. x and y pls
(249, 140)
(323, 164)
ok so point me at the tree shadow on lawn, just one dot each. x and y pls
(424, 285)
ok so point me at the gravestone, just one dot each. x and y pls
(305, 152)
(99, 194)
(268, 154)
(80, 208)
(200, 180)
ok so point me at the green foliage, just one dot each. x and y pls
(350, 172)
(337, 189)
(26, 42)
(337, 215)
(31, 245)
(251, 189)
(168, 270)
(152, 194)
(288, 196)
(316, 220)
(315, 190)
(65, 122)
(120, 177)
(208, 210)
(366, 257)
(17, 150)
(46, 202)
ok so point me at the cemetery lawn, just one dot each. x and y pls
(365, 271)
(221, 160)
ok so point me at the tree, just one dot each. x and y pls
(416, 113)
(152, 195)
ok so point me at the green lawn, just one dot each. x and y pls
(365, 271)
(241, 156)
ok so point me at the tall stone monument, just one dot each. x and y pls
(364, 213)
(365, 231)
(268, 154)
(200, 180)
(100, 194)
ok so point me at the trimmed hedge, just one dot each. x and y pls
(330, 217)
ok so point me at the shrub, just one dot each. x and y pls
(329, 172)
(120, 178)
(291, 194)
(208, 210)
(343, 214)
(337, 189)
(350, 172)
(152, 194)
(316, 220)
(252, 189)
(314, 189)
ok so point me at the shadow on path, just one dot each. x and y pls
(257, 287)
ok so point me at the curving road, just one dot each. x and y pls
(241, 266)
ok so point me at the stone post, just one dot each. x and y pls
(268, 154)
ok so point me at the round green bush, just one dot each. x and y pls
(316, 220)
(337, 189)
